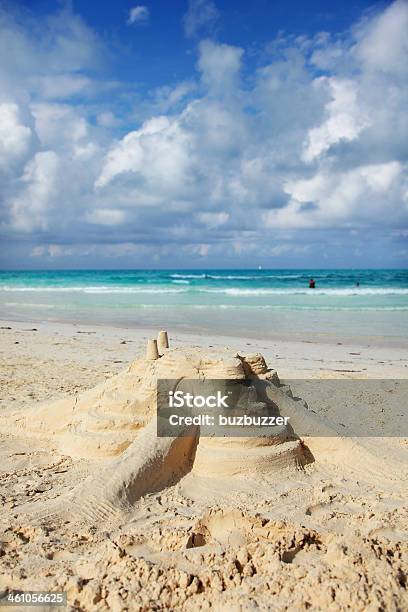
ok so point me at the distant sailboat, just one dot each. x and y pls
(259, 267)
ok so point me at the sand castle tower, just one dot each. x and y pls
(162, 342)
(152, 352)
(229, 456)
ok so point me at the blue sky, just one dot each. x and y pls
(203, 134)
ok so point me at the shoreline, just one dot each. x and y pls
(203, 331)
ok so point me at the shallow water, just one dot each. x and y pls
(253, 302)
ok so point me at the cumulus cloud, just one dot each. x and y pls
(156, 157)
(382, 42)
(233, 162)
(38, 58)
(219, 65)
(351, 198)
(344, 119)
(15, 136)
(138, 14)
(37, 194)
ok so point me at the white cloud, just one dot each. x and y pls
(231, 160)
(106, 216)
(155, 158)
(59, 124)
(15, 137)
(50, 250)
(213, 219)
(55, 250)
(200, 14)
(220, 66)
(107, 119)
(167, 98)
(382, 42)
(241, 247)
(37, 194)
(344, 120)
(65, 48)
(355, 197)
(60, 86)
(138, 14)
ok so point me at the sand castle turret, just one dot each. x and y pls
(152, 352)
(162, 341)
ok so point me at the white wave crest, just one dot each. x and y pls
(236, 276)
(231, 291)
(91, 289)
(235, 291)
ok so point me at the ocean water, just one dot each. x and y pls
(260, 302)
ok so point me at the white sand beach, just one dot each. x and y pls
(317, 525)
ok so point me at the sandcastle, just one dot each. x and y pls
(103, 422)
(115, 422)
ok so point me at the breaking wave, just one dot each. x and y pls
(231, 291)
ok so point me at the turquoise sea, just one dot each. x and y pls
(254, 302)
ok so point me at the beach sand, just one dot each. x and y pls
(323, 534)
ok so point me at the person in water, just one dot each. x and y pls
(312, 283)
